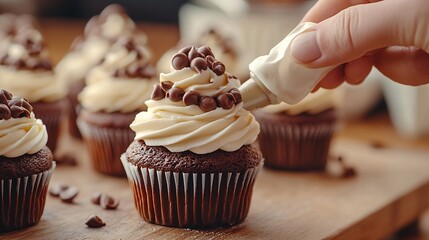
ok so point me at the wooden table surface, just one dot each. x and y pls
(391, 188)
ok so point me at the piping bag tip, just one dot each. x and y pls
(253, 95)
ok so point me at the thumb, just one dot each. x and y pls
(359, 29)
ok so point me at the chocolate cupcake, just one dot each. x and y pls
(25, 70)
(26, 164)
(297, 137)
(88, 50)
(193, 162)
(115, 92)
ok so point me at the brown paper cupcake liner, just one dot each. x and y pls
(191, 200)
(22, 200)
(293, 146)
(105, 146)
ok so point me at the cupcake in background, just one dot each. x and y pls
(115, 91)
(193, 162)
(88, 50)
(26, 70)
(26, 164)
(224, 48)
(297, 137)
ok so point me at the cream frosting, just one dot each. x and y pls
(35, 86)
(180, 128)
(280, 77)
(76, 64)
(105, 92)
(313, 103)
(19, 136)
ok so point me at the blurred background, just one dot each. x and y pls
(255, 26)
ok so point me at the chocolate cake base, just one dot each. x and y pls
(25, 165)
(189, 190)
(73, 110)
(107, 136)
(50, 113)
(295, 142)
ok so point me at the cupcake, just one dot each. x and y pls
(297, 137)
(223, 46)
(26, 164)
(25, 70)
(87, 51)
(193, 161)
(115, 92)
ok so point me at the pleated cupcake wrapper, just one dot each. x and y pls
(22, 200)
(52, 120)
(105, 146)
(192, 200)
(295, 146)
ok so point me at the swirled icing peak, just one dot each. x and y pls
(196, 107)
(20, 132)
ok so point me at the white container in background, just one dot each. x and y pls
(408, 107)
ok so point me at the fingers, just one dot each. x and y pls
(359, 29)
(324, 9)
(353, 73)
(406, 65)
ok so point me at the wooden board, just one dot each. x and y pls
(390, 190)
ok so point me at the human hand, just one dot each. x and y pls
(392, 35)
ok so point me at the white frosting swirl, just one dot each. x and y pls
(180, 128)
(105, 92)
(35, 86)
(313, 103)
(76, 64)
(19, 136)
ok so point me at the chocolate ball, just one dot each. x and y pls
(180, 61)
(191, 98)
(176, 94)
(207, 104)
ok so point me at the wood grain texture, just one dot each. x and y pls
(390, 191)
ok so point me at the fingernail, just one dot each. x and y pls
(304, 48)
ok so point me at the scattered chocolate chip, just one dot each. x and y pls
(166, 85)
(180, 61)
(349, 172)
(95, 198)
(108, 202)
(377, 145)
(198, 64)
(191, 98)
(69, 194)
(218, 68)
(225, 100)
(95, 222)
(57, 189)
(157, 93)
(185, 50)
(176, 94)
(206, 51)
(66, 160)
(207, 104)
(237, 95)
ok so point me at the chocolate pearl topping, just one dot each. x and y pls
(191, 98)
(237, 95)
(13, 107)
(176, 94)
(207, 104)
(225, 100)
(198, 59)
